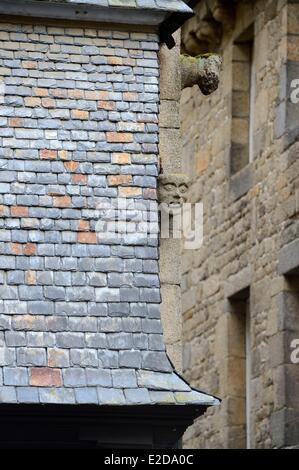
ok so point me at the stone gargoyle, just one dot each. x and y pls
(203, 70)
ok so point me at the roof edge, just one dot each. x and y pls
(104, 11)
(174, 22)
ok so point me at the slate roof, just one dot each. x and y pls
(103, 337)
(163, 6)
(140, 387)
(168, 5)
(156, 389)
(164, 15)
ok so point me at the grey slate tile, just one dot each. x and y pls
(87, 395)
(111, 396)
(8, 395)
(159, 381)
(27, 394)
(124, 378)
(57, 395)
(137, 396)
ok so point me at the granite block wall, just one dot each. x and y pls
(250, 241)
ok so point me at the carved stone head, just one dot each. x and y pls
(173, 189)
(223, 11)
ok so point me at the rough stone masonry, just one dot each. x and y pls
(251, 229)
(80, 319)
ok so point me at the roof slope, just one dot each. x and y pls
(138, 12)
(85, 328)
(119, 387)
(168, 5)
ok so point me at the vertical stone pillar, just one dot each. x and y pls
(284, 326)
(170, 162)
(287, 112)
(284, 341)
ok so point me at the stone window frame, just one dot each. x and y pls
(242, 102)
(239, 343)
(239, 370)
(285, 418)
(241, 155)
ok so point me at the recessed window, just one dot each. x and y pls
(239, 370)
(243, 96)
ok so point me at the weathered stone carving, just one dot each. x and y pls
(203, 33)
(200, 36)
(173, 189)
(223, 11)
(203, 71)
(209, 31)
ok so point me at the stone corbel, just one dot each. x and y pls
(208, 31)
(203, 71)
(203, 33)
(223, 12)
(199, 35)
(173, 189)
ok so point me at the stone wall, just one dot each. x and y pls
(249, 217)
